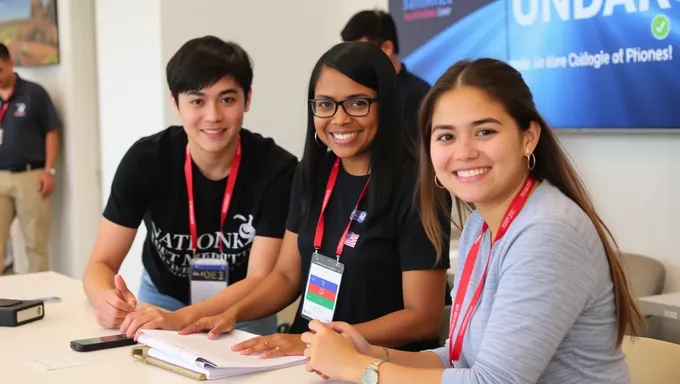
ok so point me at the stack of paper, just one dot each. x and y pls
(212, 358)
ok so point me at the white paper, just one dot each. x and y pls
(52, 363)
(217, 351)
(211, 373)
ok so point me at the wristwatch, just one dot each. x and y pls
(370, 374)
(51, 171)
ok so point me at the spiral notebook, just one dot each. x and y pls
(208, 359)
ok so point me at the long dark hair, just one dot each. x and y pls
(506, 85)
(367, 65)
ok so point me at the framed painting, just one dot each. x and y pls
(30, 29)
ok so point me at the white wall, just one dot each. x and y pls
(72, 86)
(284, 50)
(131, 92)
(633, 178)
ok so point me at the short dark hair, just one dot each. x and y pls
(390, 152)
(377, 26)
(4, 52)
(203, 61)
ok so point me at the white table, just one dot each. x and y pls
(663, 316)
(72, 319)
(664, 305)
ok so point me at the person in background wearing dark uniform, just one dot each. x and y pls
(213, 197)
(377, 27)
(29, 146)
(355, 249)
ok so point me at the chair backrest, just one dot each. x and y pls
(647, 276)
(652, 361)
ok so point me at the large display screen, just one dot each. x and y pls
(597, 64)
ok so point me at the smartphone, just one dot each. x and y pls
(98, 343)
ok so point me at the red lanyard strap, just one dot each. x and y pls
(5, 103)
(318, 236)
(456, 346)
(226, 201)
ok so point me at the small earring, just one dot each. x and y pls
(318, 142)
(531, 161)
(438, 183)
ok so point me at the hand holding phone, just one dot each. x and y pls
(99, 343)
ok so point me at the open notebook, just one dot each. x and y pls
(212, 358)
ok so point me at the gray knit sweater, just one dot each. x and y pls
(546, 314)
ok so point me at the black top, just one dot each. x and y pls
(412, 89)
(29, 116)
(150, 185)
(396, 242)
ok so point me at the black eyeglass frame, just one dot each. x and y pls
(369, 100)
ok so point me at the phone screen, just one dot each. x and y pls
(101, 340)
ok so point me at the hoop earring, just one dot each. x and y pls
(531, 161)
(438, 183)
(318, 142)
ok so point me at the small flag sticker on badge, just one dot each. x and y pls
(351, 240)
(358, 216)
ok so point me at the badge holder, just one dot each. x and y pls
(207, 278)
(322, 288)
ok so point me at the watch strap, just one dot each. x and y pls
(374, 365)
(387, 353)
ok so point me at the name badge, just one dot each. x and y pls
(208, 277)
(322, 289)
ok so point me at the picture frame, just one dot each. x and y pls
(30, 29)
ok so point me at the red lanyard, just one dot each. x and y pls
(231, 181)
(332, 178)
(514, 209)
(5, 104)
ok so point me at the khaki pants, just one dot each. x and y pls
(19, 197)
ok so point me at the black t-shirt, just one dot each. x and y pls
(372, 279)
(150, 185)
(412, 90)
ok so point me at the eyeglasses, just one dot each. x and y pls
(355, 107)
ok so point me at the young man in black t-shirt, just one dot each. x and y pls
(213, 196)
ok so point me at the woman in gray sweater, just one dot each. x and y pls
(540, 294)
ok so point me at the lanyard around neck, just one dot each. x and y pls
(318, 236)
(226, 201)
(5, 103)
(455, 346)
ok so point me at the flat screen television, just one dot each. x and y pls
(591, 64)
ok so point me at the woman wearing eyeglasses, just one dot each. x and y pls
(355, 249)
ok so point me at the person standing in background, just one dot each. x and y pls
(29, 146)
(377, 27)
